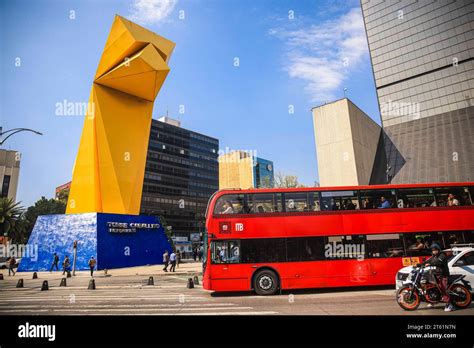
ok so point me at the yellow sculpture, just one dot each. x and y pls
(110, 164)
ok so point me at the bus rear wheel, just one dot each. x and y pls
(265, 282)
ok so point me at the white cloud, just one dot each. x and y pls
(324, 55)
(151, 11)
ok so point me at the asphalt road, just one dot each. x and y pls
(130, 294)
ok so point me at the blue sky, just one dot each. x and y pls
(292, 54)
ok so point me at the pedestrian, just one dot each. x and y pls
(11, 264)
(178, 257)
(55, 262)
(66, 264)
(194, 254)
(200, 254)
(166, 260)
(92, 263)
(173, 261)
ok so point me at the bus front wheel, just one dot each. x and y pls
(265, 282)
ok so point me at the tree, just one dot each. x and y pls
(43, 206)
(10, 214)
(168, 230)
(63, 196)
(286, 181)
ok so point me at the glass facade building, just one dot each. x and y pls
(181, 174)
(422, 57)
(263, 173)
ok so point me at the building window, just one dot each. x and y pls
(5, 185)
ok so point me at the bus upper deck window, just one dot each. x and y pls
(229, 204)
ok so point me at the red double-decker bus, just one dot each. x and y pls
(268, 240)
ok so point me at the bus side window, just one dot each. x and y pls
(452, 196)
(378, 199)
(229, 204)
(415, 198)
(296, 201)
(261, 203)
(339, 200)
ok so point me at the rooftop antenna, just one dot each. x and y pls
(345, 90)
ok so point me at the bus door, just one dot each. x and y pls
(227, 272)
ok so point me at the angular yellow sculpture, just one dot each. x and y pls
(110, 164)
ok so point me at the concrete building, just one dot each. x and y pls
(180, 176)
(422, 58)
(346, 143)
(9, 173)
(241, 169)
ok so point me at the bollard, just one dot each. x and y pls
(1, 276)
(196, 280)
(190, 284)
(69, 274)
(20, 283)
(45, 287)
(35, 276)
(150, 281)
(63, 282)
(91, 285)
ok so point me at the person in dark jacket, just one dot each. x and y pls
(55, 262)
(440, 261)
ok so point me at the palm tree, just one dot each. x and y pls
(10, 213)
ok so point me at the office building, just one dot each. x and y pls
(180, 176)
(241, 169)
(346, 143)
(9, 173)
(422, 58)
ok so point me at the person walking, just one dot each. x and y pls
(178, 258)
(66, 264)
(11, 264)
(55, 262)
(173, 262)
(200, 254)
(194, 254)
(92, 263)
(166, 260)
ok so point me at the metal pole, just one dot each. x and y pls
(74, 259)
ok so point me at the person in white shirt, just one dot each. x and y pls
(452, 201)
(172, 261)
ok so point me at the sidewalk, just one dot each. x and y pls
(185, 269)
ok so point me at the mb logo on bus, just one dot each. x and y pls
(239, 227)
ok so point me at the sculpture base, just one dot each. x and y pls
(114, 240)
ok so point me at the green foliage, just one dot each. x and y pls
(63, 196)
(168, 230)
(10, 214)
(18, 223)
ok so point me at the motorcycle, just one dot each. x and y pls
(423, 286)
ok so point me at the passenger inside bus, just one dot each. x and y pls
(348, 205)
(227, 208)
(452, 201)
(384, 203)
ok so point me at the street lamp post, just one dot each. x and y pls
(14, 131)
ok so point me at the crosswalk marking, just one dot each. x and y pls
(170, 297)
